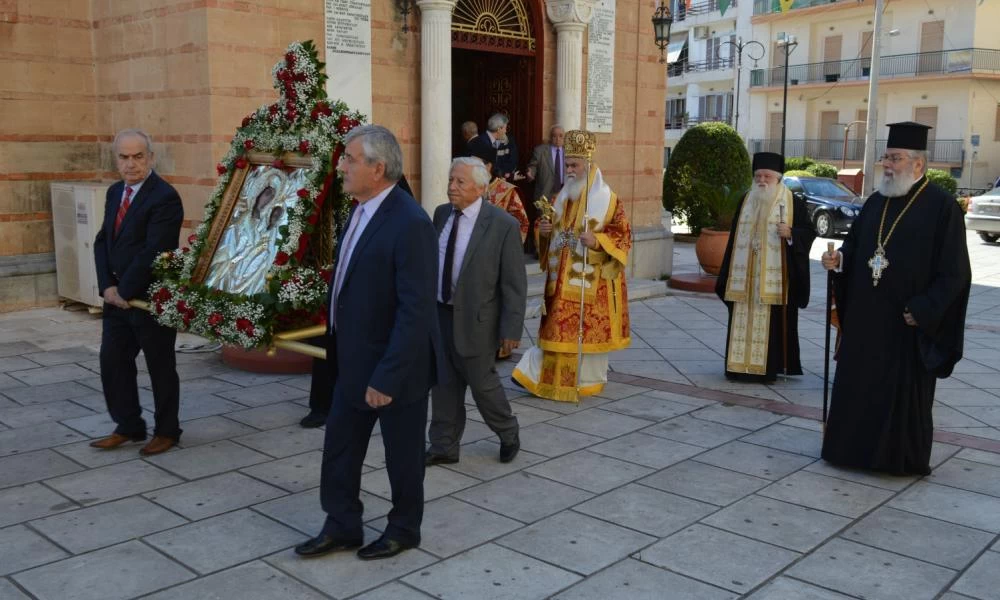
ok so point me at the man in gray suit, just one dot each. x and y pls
(481, 301)
(546, 167)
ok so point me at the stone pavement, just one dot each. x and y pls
(673, 484)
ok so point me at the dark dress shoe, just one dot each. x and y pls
(383, 548)
(509, 451)
(116, 439)
(324, 544)
(438, 459)
(158, 445)
(313, 420)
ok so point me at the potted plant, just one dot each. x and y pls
(721, 201)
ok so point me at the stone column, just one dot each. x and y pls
(435, 100)
(570, 18)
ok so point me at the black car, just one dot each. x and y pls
(832, 205)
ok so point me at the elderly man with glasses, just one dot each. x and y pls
(902, 285)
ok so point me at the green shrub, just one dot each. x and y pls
(798, 163)
(823, 170)
(943, 180)
(708, 157)
(798, 173)
(668, 201)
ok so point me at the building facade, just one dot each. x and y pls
(940, 65)
(187, 72)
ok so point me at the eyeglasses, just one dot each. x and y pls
(893, 158)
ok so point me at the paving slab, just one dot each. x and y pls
(789, 438)
(968, 475)
(482, 460)
(930, 540)
(214, 495)
(895, 483)
(36, 437)
(19, 469)
(21, 548)
(112, 482)
(600, 422)
(647, 450)
(646, 510)
(576, 542)
(53, 374)
(696, 432)
(8, 591)
(793, 527)
(294, 474)
(212, 429)
(342, 574)
(705, 482)
(437, 483)
(987, 458)
(835, 496)
(208, 459)
(84, 454)
(871, 573)
(785, 588)
(590, 471)
(523, 496)
(982, 580)
(750, 459)
(224, 541)
(491, 572)
(737, 416)
(950, 504)
(35, 414)
(285, 441)
(300, 511)
(96, 425)
(639, 581)
(548, 440)
(718, 557)
(252, 581)
(271, 416)
(649, 407)
(119, 572)
(393, 591)
(106, 524)
(259, 395)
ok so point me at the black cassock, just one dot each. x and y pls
(880, 412)
(784, 322)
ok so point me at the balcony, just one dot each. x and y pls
(946, 62)
(939, 151)
(682, 12)
(679, 122)
(767, 7)
(681, 67)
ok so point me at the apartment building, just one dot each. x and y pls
(701, 58)
(940, 65)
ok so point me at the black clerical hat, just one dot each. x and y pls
(908, 136)
(769, 160)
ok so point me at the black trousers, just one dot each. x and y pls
(323, 377)
(124, 334)
(348, 429)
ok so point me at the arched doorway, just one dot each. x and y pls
(496, 67)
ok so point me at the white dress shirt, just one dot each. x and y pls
(466, 223)
(362, 215)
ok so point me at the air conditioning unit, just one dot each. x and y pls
(701, 32)
(77, 216)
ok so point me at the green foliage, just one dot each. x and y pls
(823, 170)
(709, 165)
(798, 173)
(943, 180)
(798, 163)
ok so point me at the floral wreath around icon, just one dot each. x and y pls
(303, 123)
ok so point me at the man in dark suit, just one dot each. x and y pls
(383, 330)
(481, 303)
(142, 218)
(497, 138)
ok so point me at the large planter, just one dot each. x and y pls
(710, 248)
(257, 360)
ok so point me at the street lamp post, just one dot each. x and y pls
(740, 45)
(786, 43)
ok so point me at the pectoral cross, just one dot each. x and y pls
(878, 263)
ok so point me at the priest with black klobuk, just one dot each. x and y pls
(902, 280)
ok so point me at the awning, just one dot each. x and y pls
(674, 50)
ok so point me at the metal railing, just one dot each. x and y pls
(685, 66)
(766, 7)
(698, 8)
(681, 122)
(939, 151)
(967, 60)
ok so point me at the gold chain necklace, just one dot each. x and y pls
(879, 263)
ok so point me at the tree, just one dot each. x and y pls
(822, 170)
(707, 157)
(943, 180)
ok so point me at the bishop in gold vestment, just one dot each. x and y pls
(585, 215)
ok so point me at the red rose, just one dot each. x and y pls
(292, 114)
(215, 319)
(182, 306)
(241, 163)
(313, 218)
(291, 93)
(353, 123)
(192, 239)
(278, 164)
(344, 124)
(273, 109)
(246, 121)
(304, 147)
(290, 59)
(162, 295)
(248, 144)
(245, 326)
(185, 249)
(221, 169)
(281, 258)
(302, 193)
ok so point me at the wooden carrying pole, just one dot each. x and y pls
(286, 340)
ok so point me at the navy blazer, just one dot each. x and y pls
(152, 225)
(387, 333)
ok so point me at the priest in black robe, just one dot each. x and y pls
(902, 285)
(764, 279)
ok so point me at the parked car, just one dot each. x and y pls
(983, 215)
(832, 205)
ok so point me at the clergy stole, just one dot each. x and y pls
(756, 280)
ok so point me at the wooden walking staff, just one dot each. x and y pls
(826, 345)
(583, 293)
(784, 296)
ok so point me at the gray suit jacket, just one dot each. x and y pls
(492, 285)
(546, 176)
